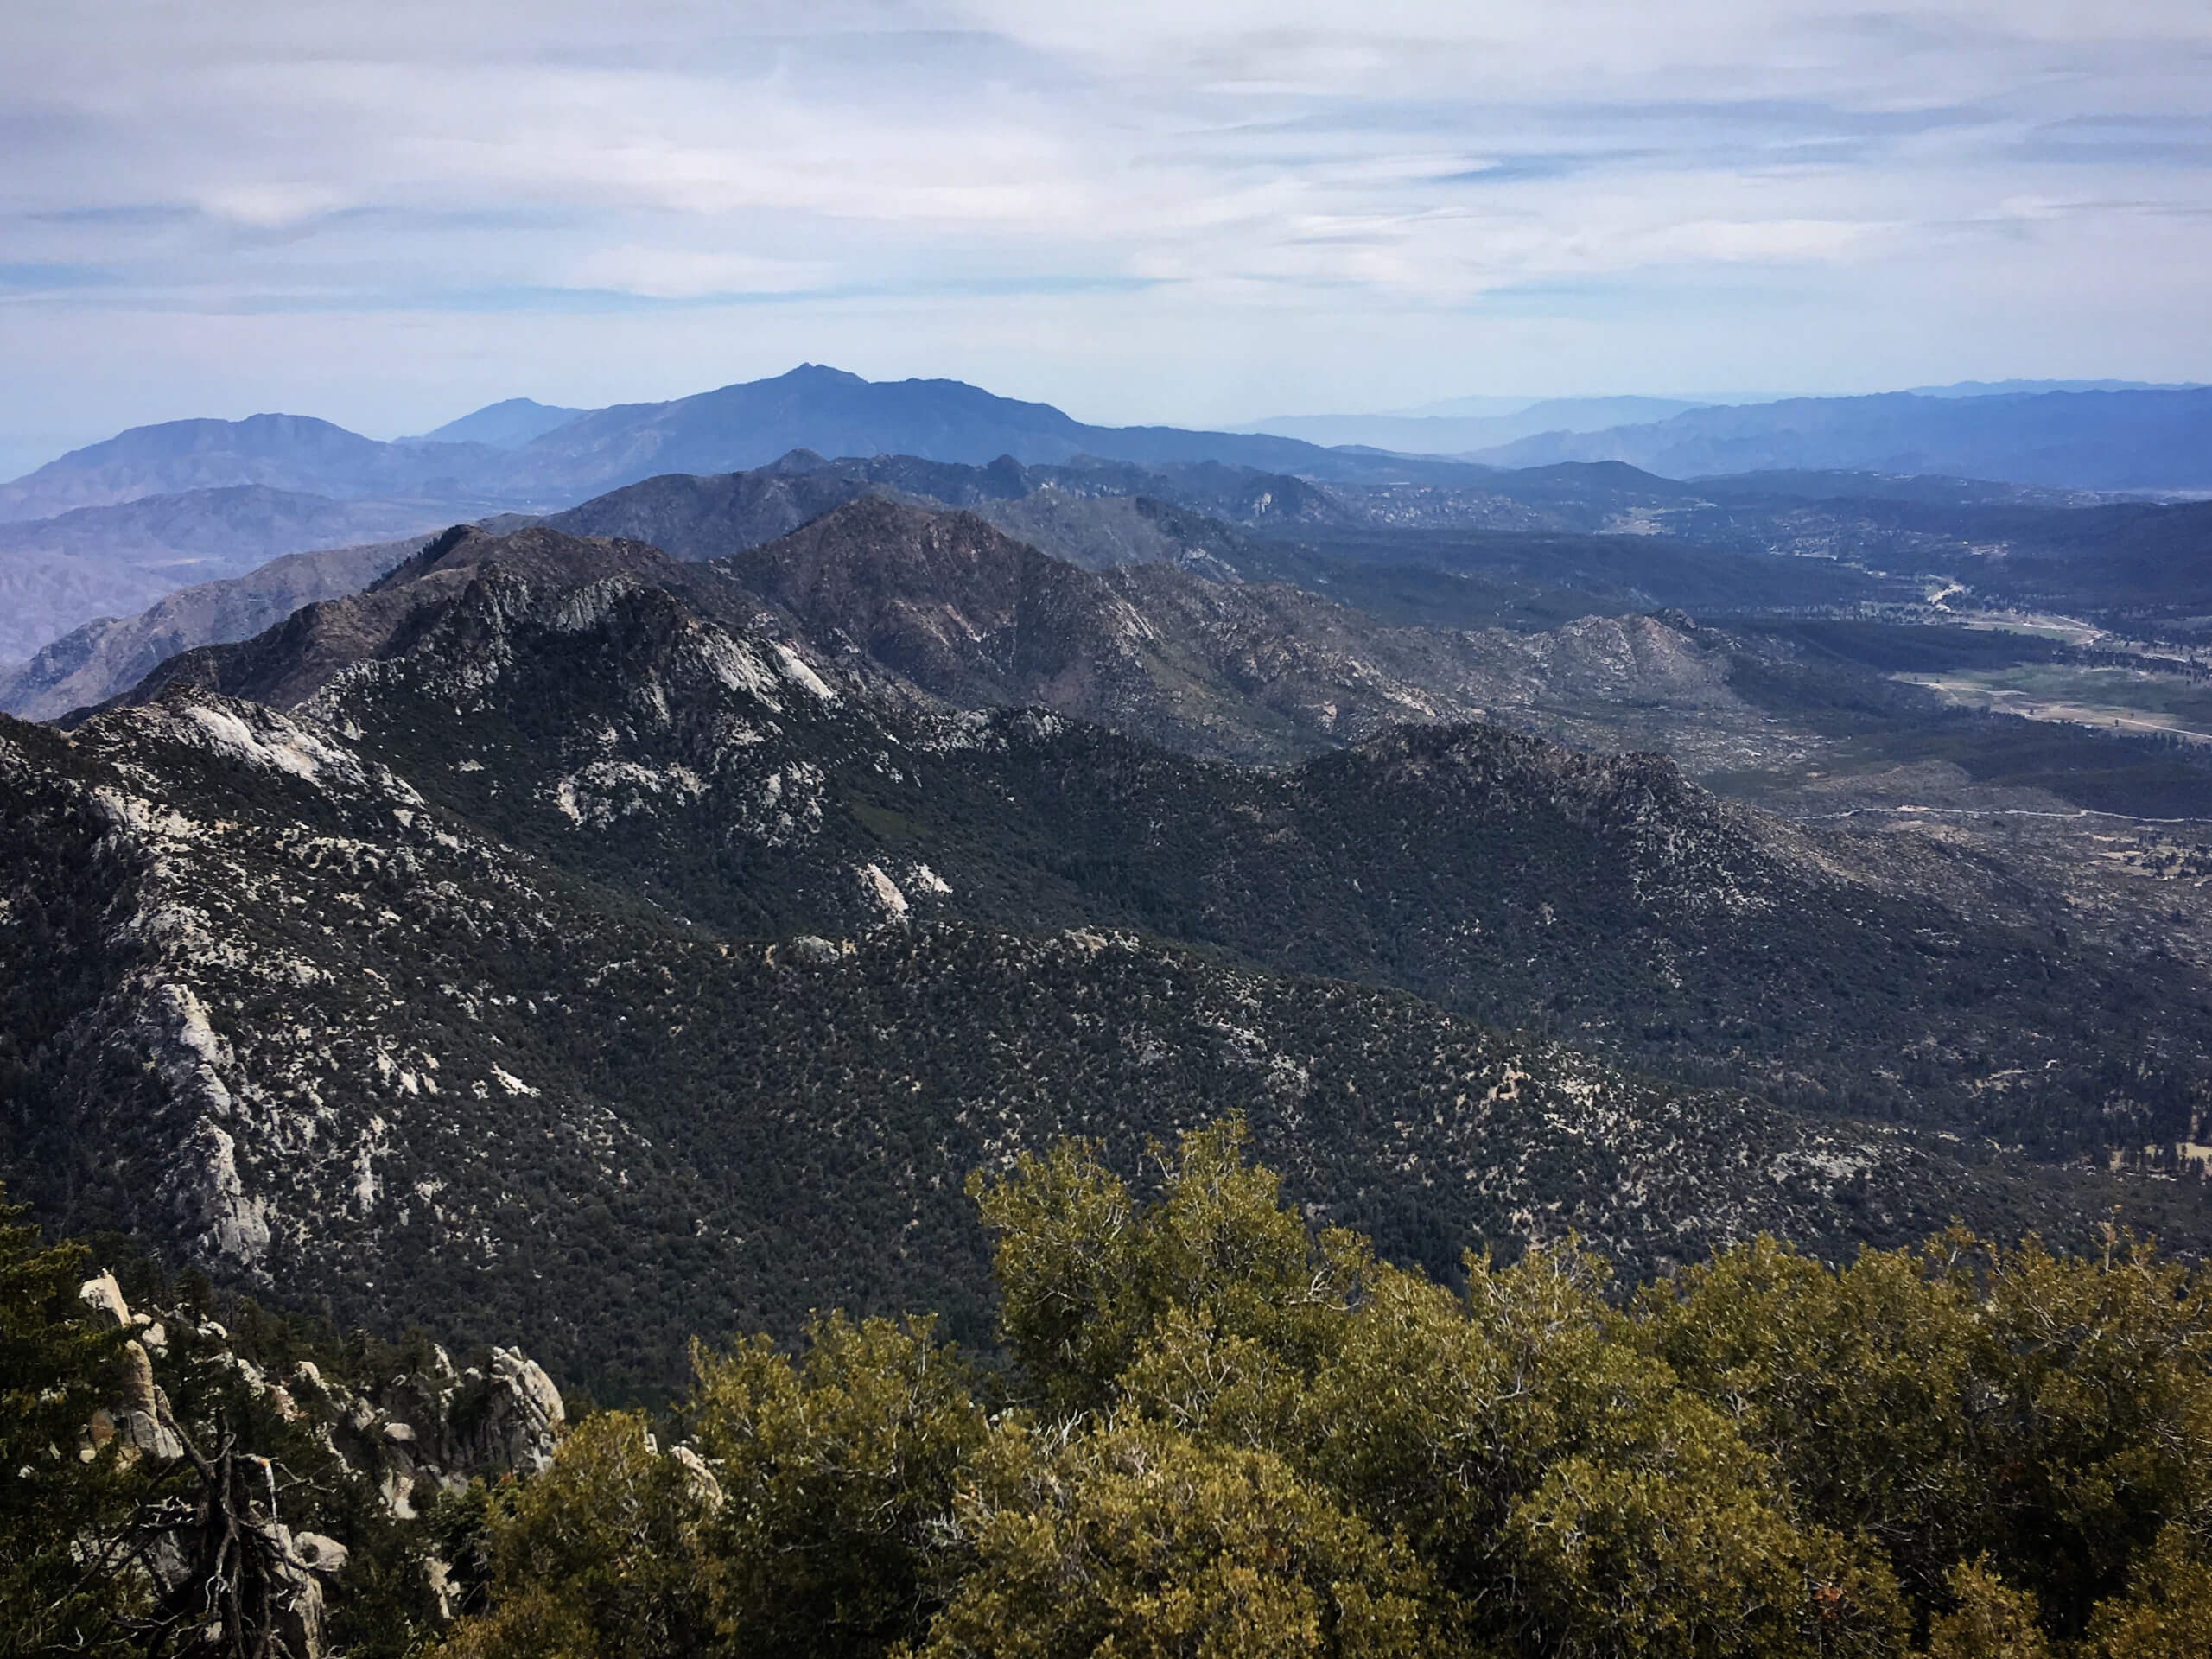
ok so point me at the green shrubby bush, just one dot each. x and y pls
(1222, 1432)
(1210, 1429)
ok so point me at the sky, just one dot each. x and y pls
(1204, 211)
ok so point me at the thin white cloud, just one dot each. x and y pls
(677, 273)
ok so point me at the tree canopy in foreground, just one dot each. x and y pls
(1215, 1431)
(1209, 1430)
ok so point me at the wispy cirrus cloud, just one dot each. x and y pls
(1196, 210)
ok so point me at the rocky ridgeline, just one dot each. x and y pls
(459, 981)
(407, 1438)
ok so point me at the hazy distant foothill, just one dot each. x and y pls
(105, 531)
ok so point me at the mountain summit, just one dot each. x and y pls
(523, 454)
(833, 413)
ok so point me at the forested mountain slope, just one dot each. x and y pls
(593, 959)
(1606, 897)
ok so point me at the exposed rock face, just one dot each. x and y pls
(302, 1612)
(320, 1553)
(103, 1295)
(525, 1417)
(442, 1426)
(289, 664)
(225, 1535)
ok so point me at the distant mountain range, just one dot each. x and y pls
(1463, 426)
(2011, 388)
(522, 453)
(293, 453)
(833, 413)
(1531, 549)
(2082, 440)
(106, 529)
(1459, 434)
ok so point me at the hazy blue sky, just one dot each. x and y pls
(1199, 211)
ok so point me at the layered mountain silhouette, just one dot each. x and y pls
(319, 486)
(294, 452)
(1519, 549)
(945, 604)
(516, 455)
(584, 453)
(505, 425)
(1437, 434)
(1095, 514)
(2082, 440)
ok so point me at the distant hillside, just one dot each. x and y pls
(57, 573)
(2006, 388)
(833, 413)
(1460, 435)
(292, 660)
(281, 452)
(705, 518)
(2070, 440)
(1533, 549)
(1253, 672)
(523, 454)
(519, 454)
(508, 425)
(943, 603)
(1093, 514)
(110, 654)
(1416, 552)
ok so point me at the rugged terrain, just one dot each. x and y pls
(1426, 542)
(592, 952)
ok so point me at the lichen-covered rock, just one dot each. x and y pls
(525, 1417)
(104, 1296)
(318, 1554)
